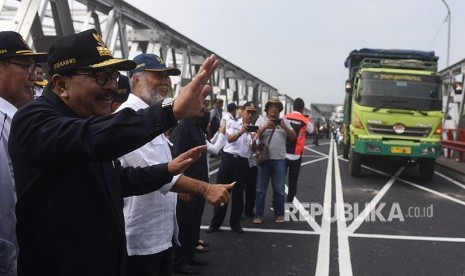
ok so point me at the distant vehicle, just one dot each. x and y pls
(393, 108)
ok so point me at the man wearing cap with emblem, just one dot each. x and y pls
(17, 74)
(150, 218)
(69, 185)
(275, 167)
(234, 167)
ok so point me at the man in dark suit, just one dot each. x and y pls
(70, 189)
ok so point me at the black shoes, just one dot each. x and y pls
(195, 262)
(212, 229)
(249, 214)
(186, 269)
(237, 229)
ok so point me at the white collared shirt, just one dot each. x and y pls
(7, 191)
(7, 111)
(151, 218)
(243, 145)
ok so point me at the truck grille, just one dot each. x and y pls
(409, 131)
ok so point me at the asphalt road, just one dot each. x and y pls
(386, 222)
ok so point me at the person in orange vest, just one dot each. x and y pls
(295, 148)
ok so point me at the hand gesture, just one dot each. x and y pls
(218, 194)
(183, 161)
(190, 102)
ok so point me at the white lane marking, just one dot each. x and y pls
(453, 181)
(345, 265)
(432, 191)
(421, 187)
(308, 217)
(317, 152)
(275, 231)
(413, 238)
(311, 156)
(313, 161)
(366, 212)
(322, 264)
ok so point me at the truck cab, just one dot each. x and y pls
(393, 108)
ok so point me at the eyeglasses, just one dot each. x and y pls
(31, 68)
(102, 77)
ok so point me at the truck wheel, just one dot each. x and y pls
(355, 163)
(345, 149)
(426, 168)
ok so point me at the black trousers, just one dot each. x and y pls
(158, 264)
(293, 167)
(189, 216)
(250, 190)
(232, 168)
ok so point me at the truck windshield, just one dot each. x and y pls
(416, 92)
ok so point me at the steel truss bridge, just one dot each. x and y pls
(127, 31)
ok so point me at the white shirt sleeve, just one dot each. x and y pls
(219, 144)
(167, 187)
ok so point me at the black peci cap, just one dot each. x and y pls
(85, 50)
(12, 44)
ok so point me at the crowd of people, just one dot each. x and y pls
(107, 174)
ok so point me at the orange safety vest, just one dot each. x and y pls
(299, 123)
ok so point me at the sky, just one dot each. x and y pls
(299, 46)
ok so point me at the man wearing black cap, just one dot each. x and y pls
(70, 188)
(17, 74)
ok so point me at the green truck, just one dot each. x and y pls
(393, 108)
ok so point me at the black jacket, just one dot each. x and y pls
(70, 191)
(187, 135)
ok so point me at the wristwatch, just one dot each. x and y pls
(167, 103)
(167, 107)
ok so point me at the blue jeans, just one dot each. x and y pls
(276, 170)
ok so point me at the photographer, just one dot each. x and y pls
(234, 162)
(275, 167)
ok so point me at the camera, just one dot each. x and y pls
(277, 122)
(252, 128)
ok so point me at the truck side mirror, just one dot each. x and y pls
(458, 88)
(348, 86)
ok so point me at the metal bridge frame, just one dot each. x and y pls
(454, 104)
(127, 31)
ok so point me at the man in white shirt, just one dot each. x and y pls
(17, 73)
(234, 167)
(150, 219)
